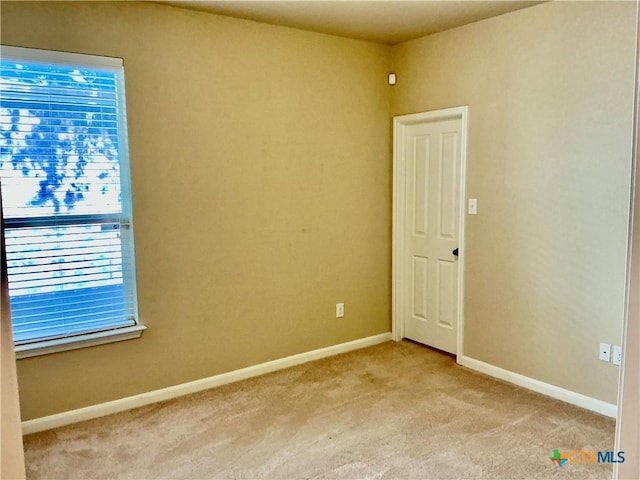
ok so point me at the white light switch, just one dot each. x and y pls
(473, 206)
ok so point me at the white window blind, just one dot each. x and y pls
(66, 195)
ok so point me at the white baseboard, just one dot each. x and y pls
(127, 403)
(589, 403)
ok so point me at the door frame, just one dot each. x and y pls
(400, 123)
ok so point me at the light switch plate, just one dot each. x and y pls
(473, 206)
(605, 352)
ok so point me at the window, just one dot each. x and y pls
(66, 200)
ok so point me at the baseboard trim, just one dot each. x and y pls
(574, 398)
(128, 403)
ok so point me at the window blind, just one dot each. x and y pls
(66, 194)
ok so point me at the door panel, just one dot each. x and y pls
(419, 288)
(448, 186)
(446, 293)
(420, 179)
(432, 194)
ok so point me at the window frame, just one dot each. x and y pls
(82, 340)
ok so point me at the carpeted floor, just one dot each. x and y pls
(396, 410)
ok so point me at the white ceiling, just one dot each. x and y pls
(380, 21)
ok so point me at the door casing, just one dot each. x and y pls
(399, 215)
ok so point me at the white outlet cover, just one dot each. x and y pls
(473, 206)
(616, 358)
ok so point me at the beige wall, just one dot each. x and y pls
(628, 426)
(550, 95)
(261, 185)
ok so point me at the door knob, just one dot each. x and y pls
(455, 252)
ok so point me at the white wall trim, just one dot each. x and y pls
(574, 398)
(399, 173)
(128, 403)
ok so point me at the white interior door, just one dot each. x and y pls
(431, 152)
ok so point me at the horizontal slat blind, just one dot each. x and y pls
(68, 232)
(60, 126)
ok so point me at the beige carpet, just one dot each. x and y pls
(396, 410)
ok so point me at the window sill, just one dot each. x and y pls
(79, 341)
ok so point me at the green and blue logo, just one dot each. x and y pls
(559, 458)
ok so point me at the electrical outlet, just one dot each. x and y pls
(339, 310)
(605, 352)
(616, 358)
